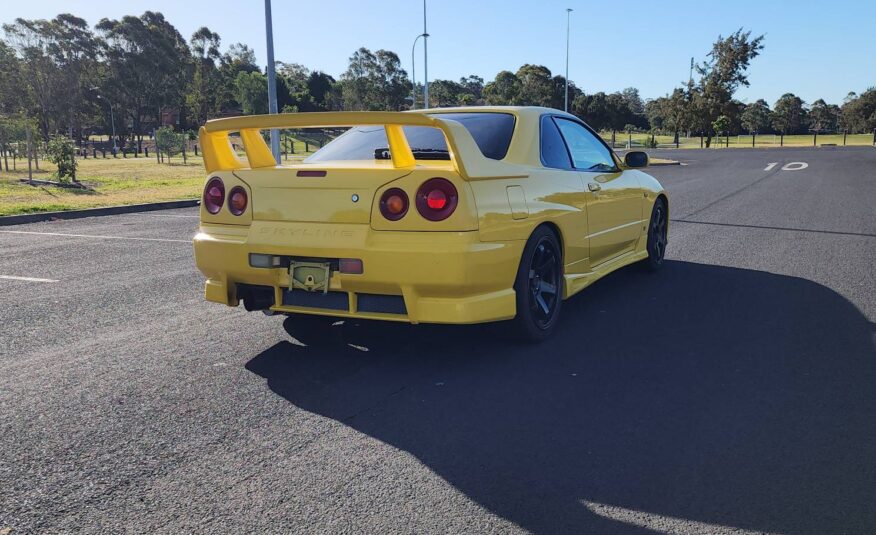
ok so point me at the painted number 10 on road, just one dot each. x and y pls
(792, 166)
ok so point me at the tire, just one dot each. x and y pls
(539, 287)
(657, 238)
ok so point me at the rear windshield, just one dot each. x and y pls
(491, 131)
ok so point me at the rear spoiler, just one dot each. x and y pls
(467, 158)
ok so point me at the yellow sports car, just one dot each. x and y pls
(452, 215)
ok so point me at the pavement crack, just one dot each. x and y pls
(735, 192)
(766, 227)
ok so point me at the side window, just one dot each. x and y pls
(588, 153)
(553, 148)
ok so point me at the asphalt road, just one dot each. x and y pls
(732, 392)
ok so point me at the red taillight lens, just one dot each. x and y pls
(437, 199)
(214, 195)
(237, 200)
(394, 204)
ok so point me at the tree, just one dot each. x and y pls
(721, 124)
(62, 152)
(169, 142)
(147, 60)
(251, 91)
(756, 118)
(536, 86)
(788, 114)
(503, 90)
(723, 72)
(859, 112)
(58, 66)
(374, 81)
(202, 94)
(11, 99)
(633, 100)
(823, 117)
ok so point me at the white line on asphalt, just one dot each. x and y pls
(170, 215)
(128, 238)
(770, 166)
(28, 279)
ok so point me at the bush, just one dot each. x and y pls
(62, 152)
(170, 143)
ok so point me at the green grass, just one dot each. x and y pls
(765, 140)
(110, 181)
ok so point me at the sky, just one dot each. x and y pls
(814, 49)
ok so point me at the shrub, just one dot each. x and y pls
(62, 152)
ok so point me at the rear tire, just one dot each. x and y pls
(539, 287)
(657, 238)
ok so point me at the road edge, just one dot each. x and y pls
(21, 219)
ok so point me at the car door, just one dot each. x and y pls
(614, 199)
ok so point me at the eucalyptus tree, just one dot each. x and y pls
(756, 118)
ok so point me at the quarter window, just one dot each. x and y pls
(588, 153)
(553, 148)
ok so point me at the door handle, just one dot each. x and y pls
(593, 186)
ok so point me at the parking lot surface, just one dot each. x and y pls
(732, 392)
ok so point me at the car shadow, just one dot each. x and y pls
(717, 395)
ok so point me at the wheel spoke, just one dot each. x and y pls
(539, 298)
(548, 288)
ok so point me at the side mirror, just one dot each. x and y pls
(636, 159)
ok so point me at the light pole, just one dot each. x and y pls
(568, 16)
(425, 60)
(112, 122)
(414, 71)
(272, 81)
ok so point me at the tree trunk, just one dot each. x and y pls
(708, 140)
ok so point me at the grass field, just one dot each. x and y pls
(111, 182)
(766, 140)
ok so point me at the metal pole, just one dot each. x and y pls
(566, 104)
(414, 73)
(113, 121)
(272, 81)
(425, 60)
(29, 155)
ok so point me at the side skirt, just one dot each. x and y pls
(578, 281)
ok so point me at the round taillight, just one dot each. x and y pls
(237, 200)
(214, 195)
(394, 204)
(437, 199)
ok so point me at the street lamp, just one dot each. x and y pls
(568, 15)
(425, 60)
(414, 71)
(272, 81)
(112, 121)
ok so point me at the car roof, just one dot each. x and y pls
(525, 148)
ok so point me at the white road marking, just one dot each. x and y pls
(28, 279)
(795, 166)
(770, 166)
(664, 524)
(170, 215)
(128, 238)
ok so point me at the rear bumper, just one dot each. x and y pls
(444, 277)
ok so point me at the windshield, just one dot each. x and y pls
(491, 131)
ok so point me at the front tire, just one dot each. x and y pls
(657, 237)
(539, 287)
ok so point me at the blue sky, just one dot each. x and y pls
(815, 49)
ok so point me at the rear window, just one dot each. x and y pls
(491, 131)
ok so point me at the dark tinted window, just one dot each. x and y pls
(491, 131)
(588, 153)
(553, 148)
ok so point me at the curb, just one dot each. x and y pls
(663, 164)
(95, 212)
